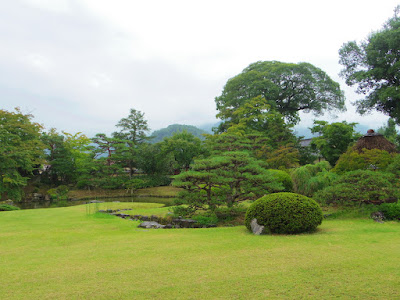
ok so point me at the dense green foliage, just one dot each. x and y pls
(373, 66)
(21, 152)
(287, 88)
(311, 178)
(333, 139)
(285, 213)
(7, 207)
(394, 166)
(360, 187)
(373, 159)
(391, 211)
(67, 157)
(284, 178)
(183, 147)
(159, 135)
(224, 179)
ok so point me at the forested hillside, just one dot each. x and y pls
(159, 135)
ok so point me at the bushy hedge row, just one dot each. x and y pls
(362, 186)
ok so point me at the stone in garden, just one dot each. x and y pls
(150, 224)
(378, 216)
(255, 228)
(37, 196)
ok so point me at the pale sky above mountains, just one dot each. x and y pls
(80, 65)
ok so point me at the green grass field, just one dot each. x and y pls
(67, 253)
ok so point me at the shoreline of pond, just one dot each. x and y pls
(166, 200)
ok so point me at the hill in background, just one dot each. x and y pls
(159, 135)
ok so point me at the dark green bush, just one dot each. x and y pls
(357, 187)
(284, 178)
(6, 207)
(391, 211)
(285, 213)
(206, 219)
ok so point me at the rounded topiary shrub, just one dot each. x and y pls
(286, 213)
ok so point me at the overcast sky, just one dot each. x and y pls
(80, 65)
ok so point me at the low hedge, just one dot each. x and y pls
(6, 207)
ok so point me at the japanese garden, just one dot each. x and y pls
(246, 211)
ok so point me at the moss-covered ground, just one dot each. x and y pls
(74, 253)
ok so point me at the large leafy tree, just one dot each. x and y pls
(287, 87)
(21, 151)
(333, 139)
(153, 160)
(67, 156)
(60, 165)
(374, 67)
(184, 147)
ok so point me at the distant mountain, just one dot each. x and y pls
(159, 135)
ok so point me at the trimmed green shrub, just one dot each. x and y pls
(284, 178)
(285, 213)
(391, 211)
(362, 186)
(6, 207)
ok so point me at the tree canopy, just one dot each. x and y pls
(333, 139)
(374, 67)
(21, 151)
(286, 87)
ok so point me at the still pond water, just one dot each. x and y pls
(51, 204)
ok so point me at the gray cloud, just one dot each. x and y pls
(78, 70)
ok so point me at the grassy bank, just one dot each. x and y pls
(69, 253)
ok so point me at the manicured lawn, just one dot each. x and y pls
(66, 253)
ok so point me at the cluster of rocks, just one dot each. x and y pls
(40, 197)
(378, 217)
(156, 221)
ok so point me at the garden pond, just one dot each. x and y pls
(65, 203)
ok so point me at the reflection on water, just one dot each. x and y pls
(50, 204)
